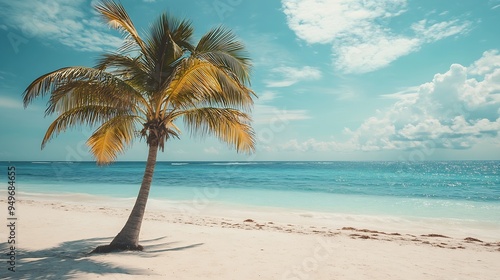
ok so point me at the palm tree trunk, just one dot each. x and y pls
(128, 237)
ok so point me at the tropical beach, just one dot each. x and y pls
(56, 233)
(201, 223)
(292, 139)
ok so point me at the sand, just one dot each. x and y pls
(55, 234)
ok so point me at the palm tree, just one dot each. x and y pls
(143, 88)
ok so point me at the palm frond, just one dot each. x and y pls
(229, 125)
(51, 81)
(221, 47)
(164, 47)
(117, 17)
(83, 93)
(179, 30)
(76, 86)
(131, 70)
(111, 138)
(200, 83)
(182, 32)
(119, 64)
(89, 115)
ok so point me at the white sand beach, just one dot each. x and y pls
(54, 235)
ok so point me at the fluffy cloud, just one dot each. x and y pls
(319, 21)
(456, 110)
(287, 76)
(371, 52)
(428, 33)
(359, 33)
(486, 64)
(67, 22)
(314, 145)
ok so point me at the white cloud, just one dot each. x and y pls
(267, 114)
(319, 21)
(453, 111)
(266, 96)
(359, 32)
(407, 92)
(489, 61)
(269, 119)
(9, 103)
(429, 33)
(314, 145)
(372, 52)
(67, 22)
(287, 76)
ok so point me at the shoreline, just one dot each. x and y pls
(216, 209)
(55, 235)
(275, 219)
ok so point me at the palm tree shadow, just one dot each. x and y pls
(72, 257)
(151, 250)
(159, 248)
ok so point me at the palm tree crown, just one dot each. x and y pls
(150, 83)
(144, 87)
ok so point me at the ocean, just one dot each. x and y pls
(463, 190)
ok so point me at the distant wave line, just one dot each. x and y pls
(236, 163)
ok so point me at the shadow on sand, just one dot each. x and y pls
(71, 258)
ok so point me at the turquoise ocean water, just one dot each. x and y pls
(466, 190)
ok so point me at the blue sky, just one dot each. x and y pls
(336, 79)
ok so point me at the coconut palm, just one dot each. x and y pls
(143, 88)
